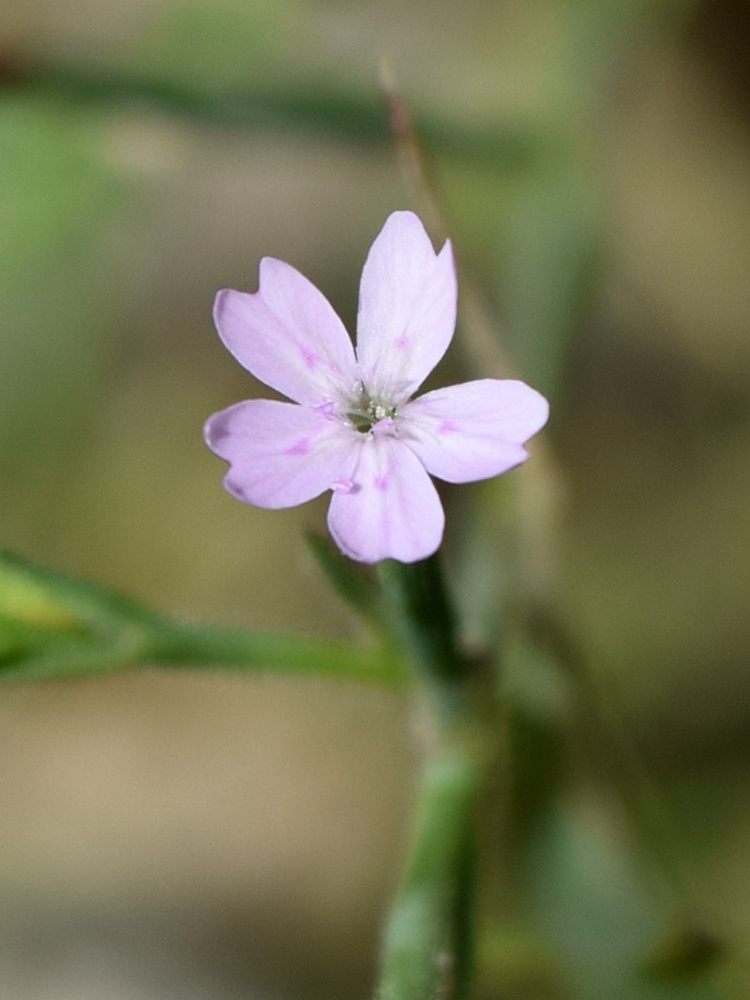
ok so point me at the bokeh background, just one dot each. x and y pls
(190, 836)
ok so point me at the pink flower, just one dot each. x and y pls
(354, 428)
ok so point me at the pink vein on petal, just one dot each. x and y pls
(280, 455)
(394, 511)
(475, 430)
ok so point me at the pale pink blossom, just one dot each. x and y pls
(353, 427)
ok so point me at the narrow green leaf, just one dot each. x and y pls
(352, 581)
(58, 200)
(53, 625)
(342, 111)
(422, 617)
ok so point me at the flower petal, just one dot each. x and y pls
(475, 430)
(280, 454)
(407, 308)
(287, 335)
(390, 509)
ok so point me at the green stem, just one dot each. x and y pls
(422, 618)
(464, 915)
(426, 943)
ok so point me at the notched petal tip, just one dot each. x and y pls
(223, 300)
(280, 455)
(222, 303)
(269, 267)
(530, 408)
(216, 430)
(543, 411)
(235, 489)
(407, 307)
(446, 250)
(287, 334)
(404, 225)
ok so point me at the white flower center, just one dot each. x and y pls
(365, 411)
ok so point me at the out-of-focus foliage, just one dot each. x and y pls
(598, 914)
(222, 45)
(57, 197)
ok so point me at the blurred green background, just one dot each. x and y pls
(202, 836)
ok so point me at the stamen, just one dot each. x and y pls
(366, 413)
